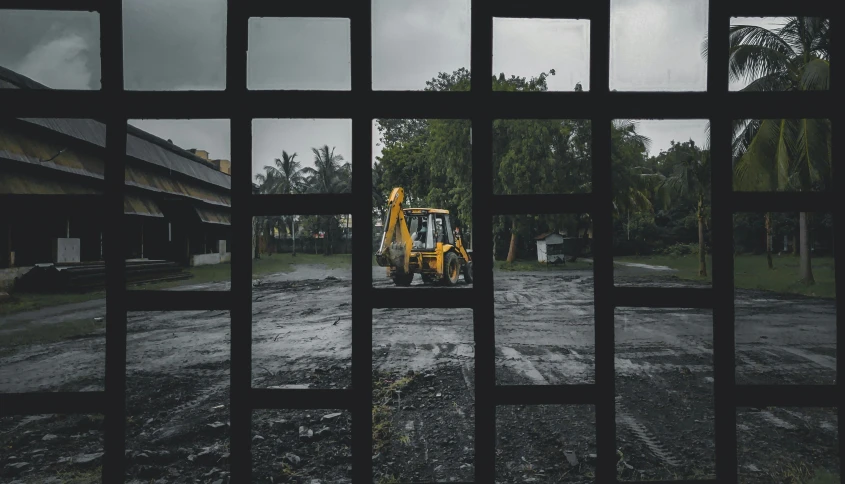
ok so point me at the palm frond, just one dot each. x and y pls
(815, 76)
(756, 52)
(772, 82)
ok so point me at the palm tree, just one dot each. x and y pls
(287, 179)
(783, 154)
(266, 184)
(632, 184)
(690, 178)
(329, 175)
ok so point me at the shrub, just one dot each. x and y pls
(678, 250)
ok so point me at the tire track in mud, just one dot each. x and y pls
(644, 435)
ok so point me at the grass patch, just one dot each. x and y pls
(30, 333)
(800, 473)
(752, 272)
(18, 302)
(384, 393)
(534, 265)
(287, 262)
(92, 476)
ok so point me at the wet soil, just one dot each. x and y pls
(178, 388)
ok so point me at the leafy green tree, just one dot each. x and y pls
(783, 154)
(690, 178)
(431, 159)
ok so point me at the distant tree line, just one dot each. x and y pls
(661, 203)
(330, 174)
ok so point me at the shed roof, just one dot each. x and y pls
(547, 235)
(139, 144)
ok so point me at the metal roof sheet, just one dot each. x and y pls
(139, 144)
(34, 152)
(152, 181)
(19, 184)
(137, 205)
(212, 216)
(94, 132)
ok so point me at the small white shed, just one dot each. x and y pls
(550, 247)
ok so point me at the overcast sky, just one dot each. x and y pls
(180, 44)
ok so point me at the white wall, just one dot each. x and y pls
(541, 250)
(208, 259)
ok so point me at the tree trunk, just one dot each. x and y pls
(512, 249)
(326, 240)
(255, 227)
(346, 249)
(806, 268)
(769, 240)
(628, 226)
(270, 240)
(293, 233)
(702, 251)
(794, 245)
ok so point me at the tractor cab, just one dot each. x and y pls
(428, 227)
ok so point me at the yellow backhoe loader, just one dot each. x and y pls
(422, 240)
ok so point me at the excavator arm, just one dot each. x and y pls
(396, 241)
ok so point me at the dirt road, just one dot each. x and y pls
(178, 386)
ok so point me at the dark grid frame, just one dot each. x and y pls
(115, 105)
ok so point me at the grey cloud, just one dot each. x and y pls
(413, 41)
(211, 135)
(527, 47)
(59, 62)
(180, 44)
(656, 45)
(299, 53)
(174, 44)
(58, 49)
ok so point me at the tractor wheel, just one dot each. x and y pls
(468, 272)
(452, 269)
(403, 279)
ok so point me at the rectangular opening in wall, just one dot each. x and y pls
(658, 45)
(541, 156)
(546, 443)
(785, 298)
(298, 156)
(427, 240)
(541, 54)
(302, 301)
(177, 394)
(421, 45)
(664, 394)
(177, 204)
(305, 445)
(177, 45)
(423, 395)
(49, 49)
(799, 57)
(38, 448)
(661, 199)
(299, 53)
(782, 444)
(543, 302)
(52, 317)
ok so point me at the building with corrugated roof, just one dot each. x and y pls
(177, 201)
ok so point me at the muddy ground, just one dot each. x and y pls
(178, 384)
